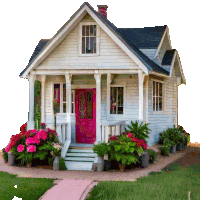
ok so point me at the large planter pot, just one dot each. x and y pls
(11, 159)
(100, 164)
(56, 163)
(144, 159)
(172, 149)
(107, 165)
(122, 167)
(182, 146)
(179, 147)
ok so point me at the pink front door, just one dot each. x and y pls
(86, 116)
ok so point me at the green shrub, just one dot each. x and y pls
(101, 149)
(139, 131)
(152, 155)
(164, 151)
(4, 154)
(62, 164)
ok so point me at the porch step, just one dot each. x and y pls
(80, 157)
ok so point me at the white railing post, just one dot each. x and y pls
(43, 77)
(118, 129)
(103, 133)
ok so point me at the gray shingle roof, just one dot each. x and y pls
(154, 33)
(144, 38)
(167, 59)
(38, 48)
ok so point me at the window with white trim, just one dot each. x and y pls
(89, 39)
(157, 96)
(60, 102)
(116, 100)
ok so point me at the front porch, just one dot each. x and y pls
(100, 104)
(73, 123)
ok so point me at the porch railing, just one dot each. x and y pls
(111, 129)
(61, 129)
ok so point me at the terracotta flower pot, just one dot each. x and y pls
(122, 167)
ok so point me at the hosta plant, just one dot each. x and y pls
(140, 131)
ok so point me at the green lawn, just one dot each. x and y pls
(173, 184)
(27, 188)
(170, 185)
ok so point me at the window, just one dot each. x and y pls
(116, 100)
(60, 102)
(157, 96)
(89, 39)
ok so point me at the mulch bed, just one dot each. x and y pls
(191, 157)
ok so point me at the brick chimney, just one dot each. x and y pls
(103, 10)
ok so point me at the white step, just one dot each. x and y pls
(80, 157)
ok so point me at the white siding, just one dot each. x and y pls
(160, 122)
(65, 56)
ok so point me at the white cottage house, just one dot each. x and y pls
(96, 78)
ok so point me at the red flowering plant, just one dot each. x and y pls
(32, 144)
(125, 148)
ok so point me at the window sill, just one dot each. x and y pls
(88, 55)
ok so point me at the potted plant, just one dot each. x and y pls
(126, 149)
(139, 131)
(101, 149)
(164, 151)
(5, 155)
(152, 155)
(180, 140)
(31, 145)
(56, 151)
(43, 126)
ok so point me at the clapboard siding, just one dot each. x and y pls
(65, 55)
(160, 122)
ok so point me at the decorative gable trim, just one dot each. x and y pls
(176, 56)
(67, 28)
(166, 33)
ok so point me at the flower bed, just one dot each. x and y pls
(34, 146)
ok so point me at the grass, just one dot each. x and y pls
(173, 183)
(166, 185)
(27, 188)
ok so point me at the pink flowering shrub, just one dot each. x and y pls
(32, 144)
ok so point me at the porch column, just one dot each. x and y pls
(108, 94)
(43, 77)
(31, 101)
(98, 107)
(140, 79)
(147, 98)
(68, 109)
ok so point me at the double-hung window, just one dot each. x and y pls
(116, 100)
(158, 96)
(60, 101)
(88, 39)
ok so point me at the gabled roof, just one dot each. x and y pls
(144, 38)
(119, 33)
(167, 59)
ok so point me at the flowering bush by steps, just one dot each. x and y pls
(32, 144)
(125, 148)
